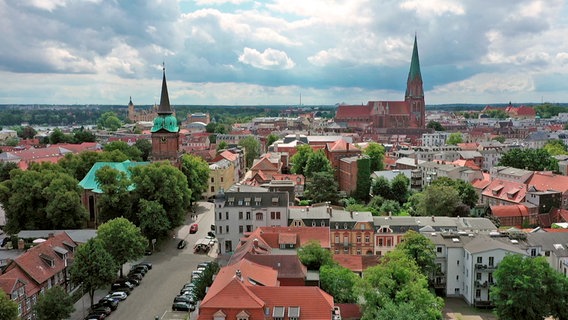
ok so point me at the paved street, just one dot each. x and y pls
(171, 269)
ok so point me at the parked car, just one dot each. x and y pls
(117, 287)
(184, 298)
(204, 264)
(144, 263)
(99, 315)
(196, 274)
(182, 244)
(182, 306)
(124, 283)
(140, 269)
(148, 251)
(135, 275)
(110, 303)
(97, 308)
(193, 228)
(120, 295)
(211, 234)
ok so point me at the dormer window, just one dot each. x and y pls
(247, 202)
(243, 315)
(278, 313)
(345, 226)
(69, 246)
(274, 201)
(293, 313)
(62, 253)
(50, 261)
(257, 201)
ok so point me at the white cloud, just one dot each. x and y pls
(434, 7)
(218, 2)
(48, 5)
(269, 59)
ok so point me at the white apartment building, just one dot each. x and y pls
(435, 139)
(242, 209)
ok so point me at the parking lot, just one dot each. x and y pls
(171, 269)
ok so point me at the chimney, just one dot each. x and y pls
(21, 244)
(255, 243)
(308, 209)
(239, 274)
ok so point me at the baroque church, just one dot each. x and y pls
(380, 115)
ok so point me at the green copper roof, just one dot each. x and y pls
(166, 122)
(89, 182)
(414, 63)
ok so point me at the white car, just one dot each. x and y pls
(117, 295)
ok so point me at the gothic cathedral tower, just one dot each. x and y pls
(415, 92)
(165, 132)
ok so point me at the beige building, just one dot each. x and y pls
(221, 177)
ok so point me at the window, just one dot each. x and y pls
(240, 202)
(478, 276)
(367, 238)
(293, 313)
(278, 313)
(336, 238)
(240, 215)
(275, 215)
(249, 228)
(226, 215)
(478, 293)
(490, 277)
(220, 216)
(221, 179)
(380, 242)
(323, 223)
(220, 229)
(346, 250)
(212, 189)
(458, 262)
(259, 216)
(439, 249)
(248, 215)
(345, 240)
(336, 226)
(479, 259)
(240, 229)
(345, 226)
(358, 238)
(533, 252)
(359, 251)
(227, 229)
(212, 180)
(336, 251)
(491, 261)
(313, 223)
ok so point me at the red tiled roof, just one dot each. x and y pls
(228, 155)
(517, 210)
(355, 263)
(349, 311)
(504, 190)
(287, 238)
(349, 112)
(396, 107)
(234, 294)
(288, 266)
(468, 146)
(544, 181)
(466, 163)
(36, 267)
(314, 303)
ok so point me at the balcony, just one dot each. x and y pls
(484, 267)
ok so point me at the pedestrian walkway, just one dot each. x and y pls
(82, 306)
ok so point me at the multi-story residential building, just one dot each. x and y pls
(338, 150)
(435, 139)
(348, 172)
(351, 232)
(38, 269)
(511, 174)
(221, 177)
(435, 169)
(547, 181)
(241, 209)
(491, 158)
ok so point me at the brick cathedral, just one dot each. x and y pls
(377, 115)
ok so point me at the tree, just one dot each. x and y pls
(57, 136)
(555, 147)
(252, 149)
(339, 282)
(454, 138)
(322, 187)
(528, 288)
(397, 280)
(300, 158)
(399, 187)
(8, 307)
(381, 187)
(376, 153)
(270, 139)
(131, 152)
(222, 145)
(390, 207)
(154, 221)
(116, 200)
(313, 256)
(145, 147)
(196, 170)
(54, 304)
(529, 159)
(421, 249)
(205, 281)
(27, 133)
(110, 121)
(438, 201)
(435, 125)
(467, 193)
(123, 240)
(5, 168)
(82, 135)
(162, 183)
(317, 162)
(93, 267)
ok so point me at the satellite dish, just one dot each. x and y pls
(38, 240)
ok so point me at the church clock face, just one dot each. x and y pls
(164, 139)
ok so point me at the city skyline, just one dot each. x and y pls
(240, 52)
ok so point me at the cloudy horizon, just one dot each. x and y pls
(244, 52)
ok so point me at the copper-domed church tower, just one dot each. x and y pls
(165, 131)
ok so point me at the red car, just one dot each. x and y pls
(193, 228)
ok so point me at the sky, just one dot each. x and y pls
(245, 52)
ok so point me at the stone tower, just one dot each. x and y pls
(415, 91)
(165, 131)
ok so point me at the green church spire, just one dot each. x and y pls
(414, 82)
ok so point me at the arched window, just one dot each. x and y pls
(259, 216)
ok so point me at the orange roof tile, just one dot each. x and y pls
(544, 181)
(314, 303)
(504, 190)
(517, 210)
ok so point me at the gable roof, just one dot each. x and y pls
(356, 263)
(288, 266)
(352, 111)
(516, 210)
(233, 294)
(314, 303)
(544, 181)
(43, 261)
